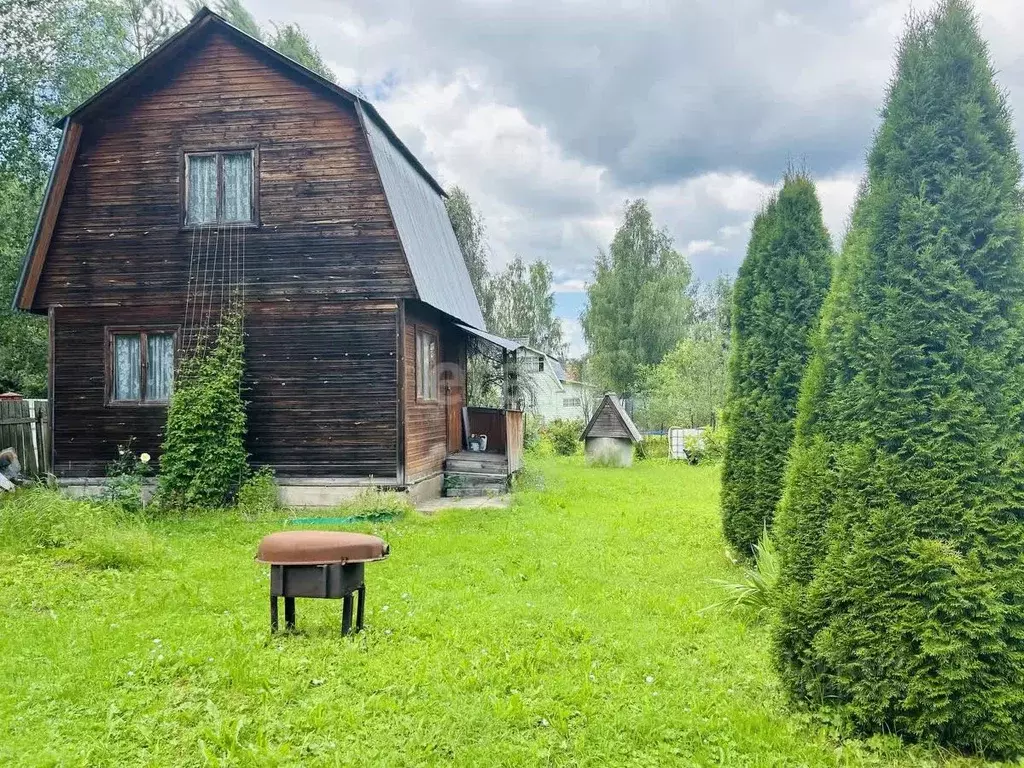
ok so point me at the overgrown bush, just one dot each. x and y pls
(94, 533)
(125, 477)
(204, 460)
(532, 426)
(565, 436)
(902, 546)
(376, 503)
(778, 294)
(652, 447)
(259, 494)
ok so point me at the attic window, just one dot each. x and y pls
(220, 188)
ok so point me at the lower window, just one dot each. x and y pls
(141, 368)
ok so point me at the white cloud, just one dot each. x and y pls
(551, 114)
(572, 332)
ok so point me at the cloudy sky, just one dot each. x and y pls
(551, 114)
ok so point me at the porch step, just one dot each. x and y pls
(486, 463)
(474, 484)
(453, 493)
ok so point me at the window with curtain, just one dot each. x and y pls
(141, 366)
(426, 364)
(219, 188)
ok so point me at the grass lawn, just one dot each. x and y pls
(563, 631)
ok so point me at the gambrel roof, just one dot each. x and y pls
(415, 198)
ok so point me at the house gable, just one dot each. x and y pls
(110, 229)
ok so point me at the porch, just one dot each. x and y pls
(488, 472)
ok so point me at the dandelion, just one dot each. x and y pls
(383, 608)
(156, 641)
(544, 722)
(649, 679)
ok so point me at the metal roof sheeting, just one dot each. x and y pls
(435, 259)
(506, 344)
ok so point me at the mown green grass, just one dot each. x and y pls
(566, 630)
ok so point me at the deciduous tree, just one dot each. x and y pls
(638, 305)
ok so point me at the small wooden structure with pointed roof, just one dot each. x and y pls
(609, 437)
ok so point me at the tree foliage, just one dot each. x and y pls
(471, 234)
(638, 305)
(900, 525)
(687, 388)
(204, 459)
(524, 306)
(779, 291)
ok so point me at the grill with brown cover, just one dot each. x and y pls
(323, 564)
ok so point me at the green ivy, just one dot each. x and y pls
(204, 458)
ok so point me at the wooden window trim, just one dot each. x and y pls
(110, 331)
(219, 153)
(417, 330)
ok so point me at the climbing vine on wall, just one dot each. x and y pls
(204, 458)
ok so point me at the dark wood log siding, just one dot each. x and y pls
(86, 432)
(321, 386)
(325, 228)
(426, 432)
(324, 267)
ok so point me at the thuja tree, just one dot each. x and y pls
(204, 458)
(778, 295)
(901, 529)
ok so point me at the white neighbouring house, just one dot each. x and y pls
(551, 394)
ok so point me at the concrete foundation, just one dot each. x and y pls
(609, 451)
(427, 488)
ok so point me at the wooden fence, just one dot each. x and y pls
(25, 427)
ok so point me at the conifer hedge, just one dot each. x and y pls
(901, 528)
(778, 295)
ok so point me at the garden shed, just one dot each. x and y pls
(611, 434)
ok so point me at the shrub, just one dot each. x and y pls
(778, 294)
(652, 447)
(259, 494)
(532, 426)
(377, 503)
(565, 436)
(125, 477)
(204, 457)
(899, 529)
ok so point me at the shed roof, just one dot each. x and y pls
(609, 420)
(416, 198)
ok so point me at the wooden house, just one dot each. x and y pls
(218, 164)
(609, 437)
